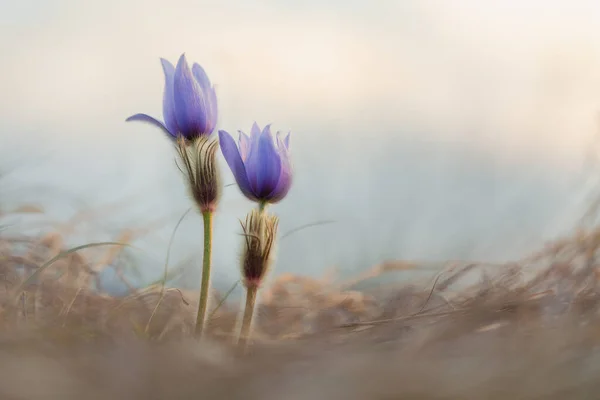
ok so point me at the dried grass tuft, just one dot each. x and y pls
(528, 329)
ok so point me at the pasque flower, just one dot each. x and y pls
(260, 166)
(189, 102)
(190, 114)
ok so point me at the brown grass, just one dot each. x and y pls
(524, 330)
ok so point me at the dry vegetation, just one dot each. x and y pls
(526, 330)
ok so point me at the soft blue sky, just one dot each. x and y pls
(426, 129)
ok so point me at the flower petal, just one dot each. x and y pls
(190, 105)
(201, 77)
(286, 141)
(255, 131)
(168, 100)
(236, 165)
(281, 142)
(213, 114)
(264, 165)
(209, 94)
(285, 177)
(244, 144)
(151, 120)
(251, 157)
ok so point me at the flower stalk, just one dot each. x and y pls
(260, 231)
(245, 331)
(200, 169)
(207, 217)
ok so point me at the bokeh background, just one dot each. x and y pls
(426, 130)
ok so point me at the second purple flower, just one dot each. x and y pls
(261, 166)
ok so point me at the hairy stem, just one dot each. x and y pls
(207, 217)
(244, 337)
(251, 293)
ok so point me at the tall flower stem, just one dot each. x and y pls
(207, 217)
(243, 339)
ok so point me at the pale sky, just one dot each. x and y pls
(426, 129)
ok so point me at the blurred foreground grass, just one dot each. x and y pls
(526, 329)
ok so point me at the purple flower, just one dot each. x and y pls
(189, 102)
(261, 168)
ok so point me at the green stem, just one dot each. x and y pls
(244, 336)
(261, 206)
(205, 284)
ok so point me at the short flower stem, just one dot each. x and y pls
(207, 216)
(251, 293)
(243, 339)
(262, 206)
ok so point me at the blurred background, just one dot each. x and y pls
(426, 130)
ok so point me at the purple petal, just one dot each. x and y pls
(255, 131)
(244, 144)
(151, 120)
(190, 107)
(252, 157)
(201, 77)
(255, 134)
(168, 100)
(213, 114)
(264, 165)
(281, 144)
(285, 177)
(209, 94)
(234, 160)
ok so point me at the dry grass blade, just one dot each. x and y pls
(29, 209)
(166, 271)
(43, 267)
(224, 299)
(378, 270)
(172, 274)
(295, 230)
(405, 318)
